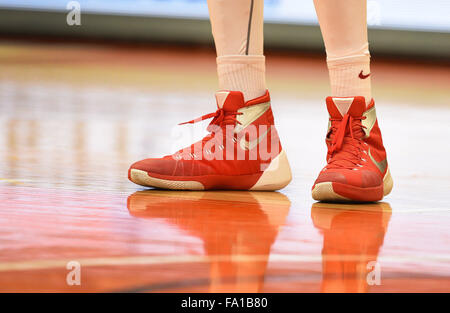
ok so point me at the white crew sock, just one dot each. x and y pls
(350, 76)
(245, 73)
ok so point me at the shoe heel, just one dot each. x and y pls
(276, 176)
(388, 183)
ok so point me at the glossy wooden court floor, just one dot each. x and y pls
(73, 117)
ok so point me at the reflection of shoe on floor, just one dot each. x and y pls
(352, 238)
(217, 207)
(237, 228)
(323, 214)
(242, 152)
(357, 168)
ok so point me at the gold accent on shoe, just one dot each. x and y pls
(381, 165)
(369, 121)
(250, 114)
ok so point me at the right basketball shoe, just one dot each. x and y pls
(357, 168)
(242, 152)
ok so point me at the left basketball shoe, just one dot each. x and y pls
(241, 152)
(357, 168)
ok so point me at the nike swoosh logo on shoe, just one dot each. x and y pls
(381, 165)
(249, 145)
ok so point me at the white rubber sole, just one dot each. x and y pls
(325, 192)
(276, 176)
(142, 178)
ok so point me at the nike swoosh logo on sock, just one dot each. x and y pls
(362, 76)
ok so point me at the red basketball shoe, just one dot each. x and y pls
(357, 168)
(242, 152)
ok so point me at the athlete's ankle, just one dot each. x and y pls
(244, 73)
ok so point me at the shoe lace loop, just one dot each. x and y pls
(219, 118)
(345, 151)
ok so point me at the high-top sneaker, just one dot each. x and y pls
(357, 168)
(241, 152)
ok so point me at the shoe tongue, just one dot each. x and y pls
(338, 106)
(229, 100)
